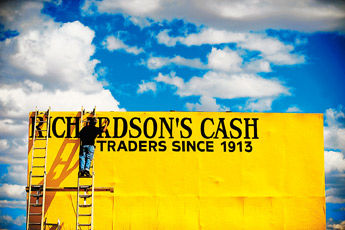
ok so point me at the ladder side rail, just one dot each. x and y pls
(78, 191)
(93, 191)
(45, 167)
(30, 177)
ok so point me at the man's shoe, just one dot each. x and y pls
(87, 173)
(80, 173)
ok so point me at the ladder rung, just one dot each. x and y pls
(42, 130)
(36, 186)
(84, 214)
(35, 223)
(37, 175)
(35, 214)
(38, 166)
(40, 139)
(85, 186)
(36, 205)
(37, 195)
(85, 205)
(39, 157)
(40, 148)
(84, 224)
(85, 196)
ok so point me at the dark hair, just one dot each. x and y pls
(92, 120)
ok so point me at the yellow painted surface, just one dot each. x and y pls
(279, 184)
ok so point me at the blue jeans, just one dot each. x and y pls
(85, 157)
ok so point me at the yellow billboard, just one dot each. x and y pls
(191, 170)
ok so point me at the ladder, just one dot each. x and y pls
(85, 192)
(37, 186)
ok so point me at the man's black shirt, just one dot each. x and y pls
(89, 133)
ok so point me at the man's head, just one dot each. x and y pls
(92, 121)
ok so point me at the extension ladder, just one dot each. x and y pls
(85, 190)
(37, 186)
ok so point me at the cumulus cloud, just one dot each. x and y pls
(207, 104)
(224, 60)
(334, 161)
(159, 62)
(7, 221)
(260, 105)
(225, 86)
(48, 63)
(304, 15)
(335, 225)
(293, 109)
(334, 134)
(112, 43)
(12, 191)
(271, 49)
(147, 86)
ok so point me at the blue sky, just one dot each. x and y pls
(162, 55)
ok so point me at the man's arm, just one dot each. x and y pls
(106, 125)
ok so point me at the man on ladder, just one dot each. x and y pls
(87, 136)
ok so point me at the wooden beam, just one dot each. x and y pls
(71, 189)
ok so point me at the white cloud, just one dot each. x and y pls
(13, 203)
(206, 104)
(47, 64)
(112, 43)
(147, 86)
(11, 191)
(142, 22)
(159, 62)
(304, 15)
(271, 49)
(258, 66)
(259, 105)
(293, 109)
(224, 60)
(333, 225)
(6, 220)
(134, 7)
(206, 36)
(226, 86)
(332, 196)
(334, 161)
(334, 133)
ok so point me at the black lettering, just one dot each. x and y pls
(132, 146)
(154, 127)
(254, 126)
(221, 127)
(176, 146)
(117, 126)
(234, 127)
(186, 127)
(152, 145)
(101, 142)
(203, 134)
(142, 146)
(122, 146)
(167, 127)
(111, 145)
(69, 126)
(162, 146)
(54, 127)
(134, 126)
